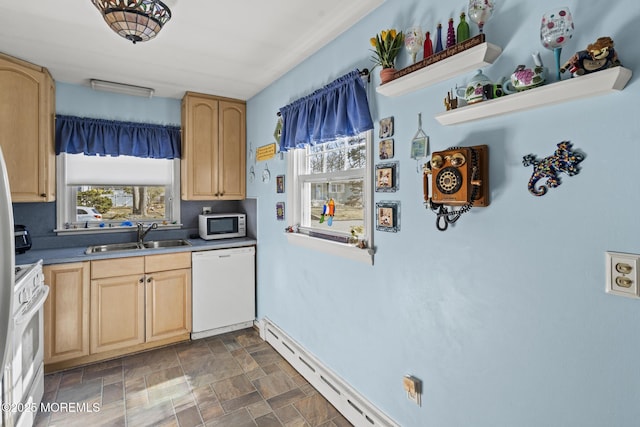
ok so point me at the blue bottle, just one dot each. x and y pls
(439, 47)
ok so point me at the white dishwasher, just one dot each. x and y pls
(223, 290)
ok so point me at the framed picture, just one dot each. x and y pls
(388, 216)
(386, 127)
(387, 177)
(280, 211)
(385, 150)
(280, 184)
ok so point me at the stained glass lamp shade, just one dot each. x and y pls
(135, 20)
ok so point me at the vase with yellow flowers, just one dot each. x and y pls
(386, 45)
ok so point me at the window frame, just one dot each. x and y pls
(67, 197)
(295, 198)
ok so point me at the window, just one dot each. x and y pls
(105, 193)
(327, 177)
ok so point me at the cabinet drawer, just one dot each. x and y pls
(117, 267)
(166, 262)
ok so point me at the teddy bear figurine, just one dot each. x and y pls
(598, 56)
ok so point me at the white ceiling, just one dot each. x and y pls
(225, 47)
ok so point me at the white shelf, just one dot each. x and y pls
(599, 83)
(468, 60)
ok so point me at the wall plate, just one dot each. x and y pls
(622, 274)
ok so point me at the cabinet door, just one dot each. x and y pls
(168, 311)
(66, 312)
(232, 146)
(200, 148)
(26, 129)
(117, 312)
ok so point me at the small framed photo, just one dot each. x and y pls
(280, 184)
(387, 177)
(280, 211)
(385, 150)
(388, 216)
(386, 127)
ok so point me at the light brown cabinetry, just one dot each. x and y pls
(168, 293)
(107, 308)
(66, 312)
(117, 303)
(27, 108)
(213, 148)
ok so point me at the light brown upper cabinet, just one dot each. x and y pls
(213, 148)
(27, 108)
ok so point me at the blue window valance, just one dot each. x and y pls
(340, 109)
(92, 137)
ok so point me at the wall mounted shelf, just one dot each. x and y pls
(599, 83)
(468, 60)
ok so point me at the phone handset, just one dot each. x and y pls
(459, 177)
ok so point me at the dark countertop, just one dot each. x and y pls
(77, 254)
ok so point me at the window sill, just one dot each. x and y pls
(334, 248)
(117, 229)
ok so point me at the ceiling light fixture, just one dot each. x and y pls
(135, 20)
(121, 88)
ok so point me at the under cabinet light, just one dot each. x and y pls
(121, 88)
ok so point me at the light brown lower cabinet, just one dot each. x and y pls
(168, 309)
(131, 304)
(66, 312)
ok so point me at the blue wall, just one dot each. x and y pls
(504, 316)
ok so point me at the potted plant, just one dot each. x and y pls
(387, 45)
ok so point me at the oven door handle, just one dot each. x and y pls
(35, 306)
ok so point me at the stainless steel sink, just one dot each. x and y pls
(152, 244)
(157, 244)
(112, 247)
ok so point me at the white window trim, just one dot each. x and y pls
(66, 209)
(323, 245)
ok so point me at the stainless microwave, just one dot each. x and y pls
(222, 225)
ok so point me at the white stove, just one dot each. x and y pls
(24, 373)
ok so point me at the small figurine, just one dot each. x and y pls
(598, 56)
(451, 101)
(563, 160)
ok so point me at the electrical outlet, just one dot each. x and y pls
(413, 387)
(622, 274)
(206, 210)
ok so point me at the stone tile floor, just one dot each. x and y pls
(233, 380)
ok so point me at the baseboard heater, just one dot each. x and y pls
(353, 406)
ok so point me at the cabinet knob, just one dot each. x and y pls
(141, 280)
(149, 279)
(43, 195)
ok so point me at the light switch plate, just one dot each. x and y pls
(622, 274)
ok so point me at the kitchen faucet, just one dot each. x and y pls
(142, 232)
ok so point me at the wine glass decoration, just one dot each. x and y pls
(480, 11)
(413, 41)
(556, 29)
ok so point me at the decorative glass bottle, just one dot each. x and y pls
(463, 29)
(439, 47)
(428, 46)
(451, 34)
